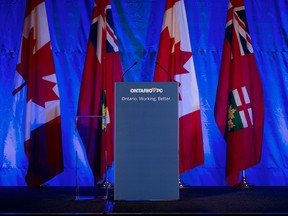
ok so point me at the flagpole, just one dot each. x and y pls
(77, 186)
(106, 178)
(106, 160)
(105, 184)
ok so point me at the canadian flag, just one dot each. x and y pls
(36, 76)
(175, 56)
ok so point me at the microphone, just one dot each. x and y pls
(122, 79)
(164, 70)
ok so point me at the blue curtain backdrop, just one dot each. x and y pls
(138, 26)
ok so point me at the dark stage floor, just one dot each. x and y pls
(193, 200)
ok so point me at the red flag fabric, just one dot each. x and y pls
(96, 99)
(175, 57)
(35, 70)
(239, 108)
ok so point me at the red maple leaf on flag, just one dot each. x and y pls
(35, 68)
(177, 58)
(183, 57)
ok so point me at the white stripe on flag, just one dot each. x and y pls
(107, 117)
(111, 40)
(245, 94)
(243, 119)
(250, 115)
(236, 97)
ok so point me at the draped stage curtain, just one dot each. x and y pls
(138, 27)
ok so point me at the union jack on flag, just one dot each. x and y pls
(112, 44)
(241, 28)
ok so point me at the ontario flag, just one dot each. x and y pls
(36, 76)
(239, 108)
(175, 56)
(96, 99)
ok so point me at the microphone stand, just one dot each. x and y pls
(122, 79)
(164, 71)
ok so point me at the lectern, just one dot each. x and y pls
(146, 161)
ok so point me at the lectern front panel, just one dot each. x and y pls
(146, 141)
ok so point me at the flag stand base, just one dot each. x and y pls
(103, 184)
(243, 183)
(180, 183)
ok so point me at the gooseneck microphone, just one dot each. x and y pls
(164, 70)
(122, 79)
